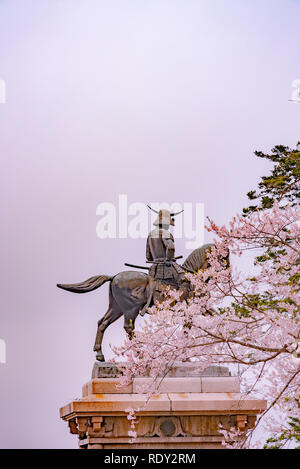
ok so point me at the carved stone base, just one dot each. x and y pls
(186, 413)
(110, 370)
(105, 370)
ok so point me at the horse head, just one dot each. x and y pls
(198, 259)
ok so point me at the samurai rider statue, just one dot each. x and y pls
(160, 252)
(131, 293)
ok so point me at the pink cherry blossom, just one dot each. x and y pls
(248, 317)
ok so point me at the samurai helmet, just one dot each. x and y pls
(165, 217)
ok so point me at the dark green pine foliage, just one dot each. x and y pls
(290, 435)
(283, 184)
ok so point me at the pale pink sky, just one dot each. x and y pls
(160, 100)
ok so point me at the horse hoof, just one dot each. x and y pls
(100, 357)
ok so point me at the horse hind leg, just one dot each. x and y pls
(110, 316)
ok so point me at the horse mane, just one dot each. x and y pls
(197, 258)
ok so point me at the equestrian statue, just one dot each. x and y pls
(132, 293)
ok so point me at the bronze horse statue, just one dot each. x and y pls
(128, 294)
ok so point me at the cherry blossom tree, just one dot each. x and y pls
(249, 321)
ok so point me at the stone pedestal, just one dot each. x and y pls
(185, 414)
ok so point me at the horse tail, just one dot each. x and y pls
(88, 285)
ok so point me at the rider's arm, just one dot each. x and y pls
(148, 251)
(169, 243)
